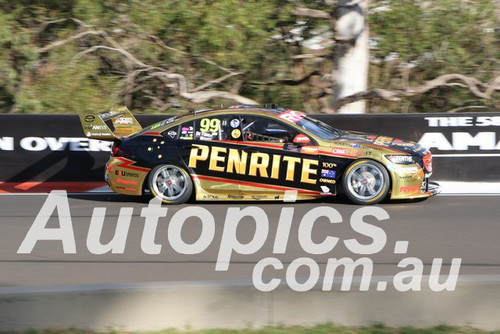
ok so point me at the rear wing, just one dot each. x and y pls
(114, 124)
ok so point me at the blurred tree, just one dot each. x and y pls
(86, 55)
(415, 42)
(420, 49)
(351, 33)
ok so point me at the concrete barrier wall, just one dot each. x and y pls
(156, 306)
(53, 148)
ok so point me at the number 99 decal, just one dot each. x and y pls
(210, 125)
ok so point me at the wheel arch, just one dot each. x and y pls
(389, 171)
(368, 159)
(188, 171)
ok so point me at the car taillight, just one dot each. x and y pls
(115, 149)
(428, 162)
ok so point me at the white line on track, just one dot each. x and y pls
(45, 194)
(448, 188)
(113, 194)
(463, 155)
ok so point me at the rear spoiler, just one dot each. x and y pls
(96, 126)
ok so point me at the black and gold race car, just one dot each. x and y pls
(253, 153)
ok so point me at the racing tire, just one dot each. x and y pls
(170, 183)
(366, 182)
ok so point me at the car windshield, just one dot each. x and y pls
(318, 128)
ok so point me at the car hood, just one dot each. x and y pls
(355, 137)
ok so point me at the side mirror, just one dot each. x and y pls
(301, 139)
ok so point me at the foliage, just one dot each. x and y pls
(428, 39)
(254, 43)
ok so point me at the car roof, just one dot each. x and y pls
(271, 110)
(265, 109)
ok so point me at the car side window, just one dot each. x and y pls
(255, 128)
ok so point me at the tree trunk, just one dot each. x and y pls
(497, 10)
(352, 56)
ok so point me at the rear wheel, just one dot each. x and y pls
(170, 183)
(366, 182)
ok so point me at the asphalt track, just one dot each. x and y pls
(445, 226)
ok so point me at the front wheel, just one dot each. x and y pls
(366, 182)
(170, 183)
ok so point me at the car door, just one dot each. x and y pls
(277, 166)
(208, 146)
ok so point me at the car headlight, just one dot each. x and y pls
(427, 159)
(402, 159)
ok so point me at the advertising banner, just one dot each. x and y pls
(465, 147)
(53, 148)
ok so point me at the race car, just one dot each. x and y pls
(248, 153)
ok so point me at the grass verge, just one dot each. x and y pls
(319, 329)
